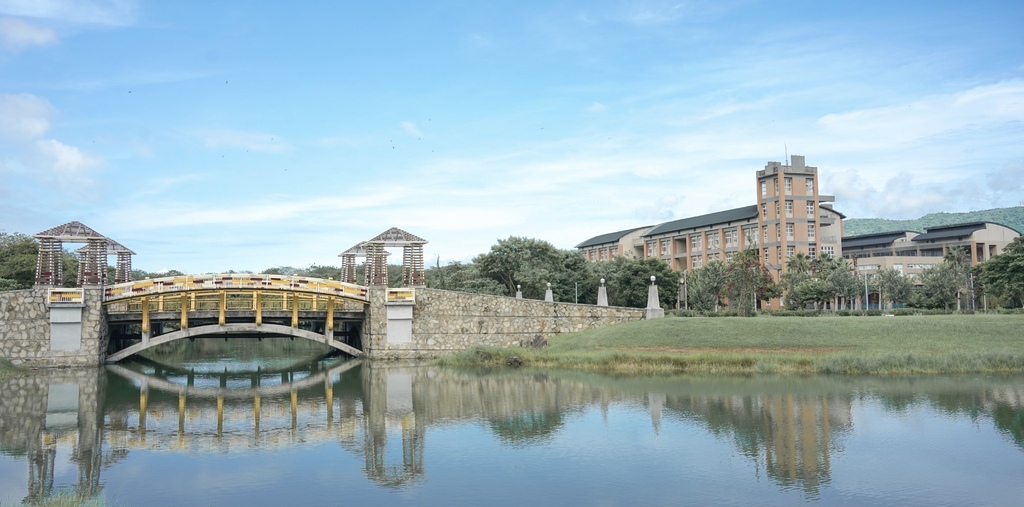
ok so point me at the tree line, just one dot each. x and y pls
(528, 265)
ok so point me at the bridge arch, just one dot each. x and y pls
(227, 330)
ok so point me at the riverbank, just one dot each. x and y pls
(792, 345)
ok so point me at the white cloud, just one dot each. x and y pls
(62, 159)
(17, 34)
(252, 141)
(86, 12)
(25, 117)
(596, 107)
(410, 127)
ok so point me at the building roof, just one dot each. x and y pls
(873, 240)
(950, 231)
(611, 237)
(718, 217)
(70, 232)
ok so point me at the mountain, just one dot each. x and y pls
(1010, 217)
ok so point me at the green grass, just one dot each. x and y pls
(880, 345)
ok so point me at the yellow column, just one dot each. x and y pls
(221, 319)
(145, 315)
(220, 415)
(329, 392)
(143, 401)
(256, 412)
(258, 303)
(184, 310)
(295, 409)
(330, 313)
(295, 309)
(181, 415)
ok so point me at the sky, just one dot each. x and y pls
(230, 135)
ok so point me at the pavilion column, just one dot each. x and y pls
(376, 265)
(92, 267)
(50, 263)
(348, 268)
(412, 265)
(124, 267)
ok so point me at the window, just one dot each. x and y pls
(765, 230)
(789, 209)
(664, 247)
(766, 256)
(732, 238)
(810, 252)
(713, 240)
(828, 250)
(789, 232)
(764, 188)
(789, 251)
(600, 254)
(789, 186)
(650, 249)
(810, 186)
(750, 235)
(728, 256)
(775, 184)
(698, 261)
(778, 232)
(764, 210)
(697, 242)
(810, 209)
(810, 232)
(778, 253)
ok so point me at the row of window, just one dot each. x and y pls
(808, 186)
(809, 205)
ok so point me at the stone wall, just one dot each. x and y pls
(25, 330)
(444, 321)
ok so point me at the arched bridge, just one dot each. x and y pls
(238, 305)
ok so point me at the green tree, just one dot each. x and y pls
(798, 271)
(748, 281)
(17, 261)
(1003, 274)
(632, 278)
(893, 287)
(519, 261)
(705, 287)
(457, 276)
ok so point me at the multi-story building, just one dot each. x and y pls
(910, 252)
(627, 243)
(790, 216)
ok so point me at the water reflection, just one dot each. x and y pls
(790, 429)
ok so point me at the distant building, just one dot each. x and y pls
(910, 252)
(789, 216)
(627, 243)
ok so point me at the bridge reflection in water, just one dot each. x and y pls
(789, 428)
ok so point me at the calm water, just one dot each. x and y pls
(238, 427)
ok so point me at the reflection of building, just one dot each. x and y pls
(43, 416)
(910, 252)
(790, 435)
(790, 216)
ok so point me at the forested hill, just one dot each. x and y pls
(1010, 217)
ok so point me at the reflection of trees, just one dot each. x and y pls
(527, 429)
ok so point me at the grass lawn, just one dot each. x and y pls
(910, 344)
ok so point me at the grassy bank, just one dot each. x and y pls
(889, 345)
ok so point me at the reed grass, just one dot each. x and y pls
(864, 345)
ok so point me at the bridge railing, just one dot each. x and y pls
(234, 281)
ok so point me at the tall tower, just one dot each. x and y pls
(788, 217)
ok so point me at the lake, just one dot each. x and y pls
(274, 424)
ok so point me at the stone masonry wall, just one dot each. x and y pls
(25, 330)
(444, 321)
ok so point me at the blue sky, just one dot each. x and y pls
(209, 136)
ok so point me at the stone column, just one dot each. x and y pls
(519, 292)
(602, 295)
(548, 296)
(654, 309)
